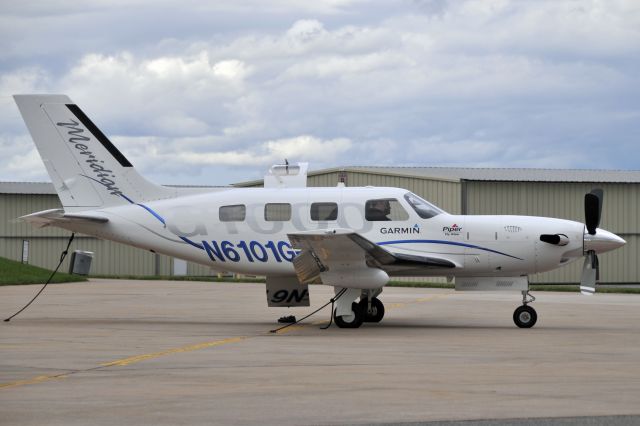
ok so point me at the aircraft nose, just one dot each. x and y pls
(602, 241)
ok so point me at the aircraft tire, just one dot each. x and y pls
(525, 316)
(357, 320)
(377, 310)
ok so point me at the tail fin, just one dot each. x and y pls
(86, 169)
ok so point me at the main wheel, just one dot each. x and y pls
(525, 316)
(353, 321)
(377, 310)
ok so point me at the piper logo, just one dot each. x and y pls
(452, 230)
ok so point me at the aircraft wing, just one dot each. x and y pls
(322, 253)
(58, 216)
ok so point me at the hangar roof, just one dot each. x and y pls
(26, 188)
(500, 174)
(441, 173)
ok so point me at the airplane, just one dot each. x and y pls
(351, 238)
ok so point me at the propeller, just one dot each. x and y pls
(593, 210)
(591, 268)
(590, 274)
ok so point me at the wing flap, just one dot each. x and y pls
(341, 255)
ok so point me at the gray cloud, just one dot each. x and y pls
(212, 94)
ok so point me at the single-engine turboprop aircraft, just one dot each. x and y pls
(351, 238)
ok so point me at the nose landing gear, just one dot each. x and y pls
(525, 316)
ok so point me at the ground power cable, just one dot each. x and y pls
(62, 256)
(332, 301)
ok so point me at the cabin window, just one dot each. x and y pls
(384, 209)
(324, 211)
(277, 212)
(425, 209)
(235, 213)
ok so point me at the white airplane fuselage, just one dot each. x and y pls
(189, 228)
(353, 239)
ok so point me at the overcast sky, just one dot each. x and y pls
(206, 92)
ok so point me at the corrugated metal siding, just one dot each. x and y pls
(564, 200)
(324, 180)
(12, 206)
(444, 194)
(620, 215)
(109, 258)
(509, 174)
(200, 270)
(46, 244)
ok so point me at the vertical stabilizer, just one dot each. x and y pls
(86, 169)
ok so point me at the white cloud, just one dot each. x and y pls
(20, 160)
(504, 82)
(306, 30)
(274, 151)
(230, 69)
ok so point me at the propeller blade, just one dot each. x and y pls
(589, 274)
(593, 209)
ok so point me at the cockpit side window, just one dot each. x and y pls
(384, 209)
(425, 209)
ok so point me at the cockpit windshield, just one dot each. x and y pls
(425, 209)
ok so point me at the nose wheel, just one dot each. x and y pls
(525, 316)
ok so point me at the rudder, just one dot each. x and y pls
(86, 169)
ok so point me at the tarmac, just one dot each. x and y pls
(166, 352)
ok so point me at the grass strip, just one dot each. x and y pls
(12, 273)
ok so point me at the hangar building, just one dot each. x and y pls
(536, 192)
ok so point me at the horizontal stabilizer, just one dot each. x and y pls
(58, 216)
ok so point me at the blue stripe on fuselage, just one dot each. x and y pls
(450, 243)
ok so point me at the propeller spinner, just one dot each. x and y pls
(595, 241)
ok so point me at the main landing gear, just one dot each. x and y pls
(351, 314)
(525, 316)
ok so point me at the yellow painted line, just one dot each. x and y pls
(37, 379)
(291, 328)
(190, 348)
(430, 298)
(128, 361)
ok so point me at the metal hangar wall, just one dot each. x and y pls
(538, 192)
(45, 244)
(535, 192)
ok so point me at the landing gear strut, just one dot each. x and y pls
(525, 316)
(350, 321)
(351, 314)
(348, 313)
(372, 309)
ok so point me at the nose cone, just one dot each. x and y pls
(602, 241)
